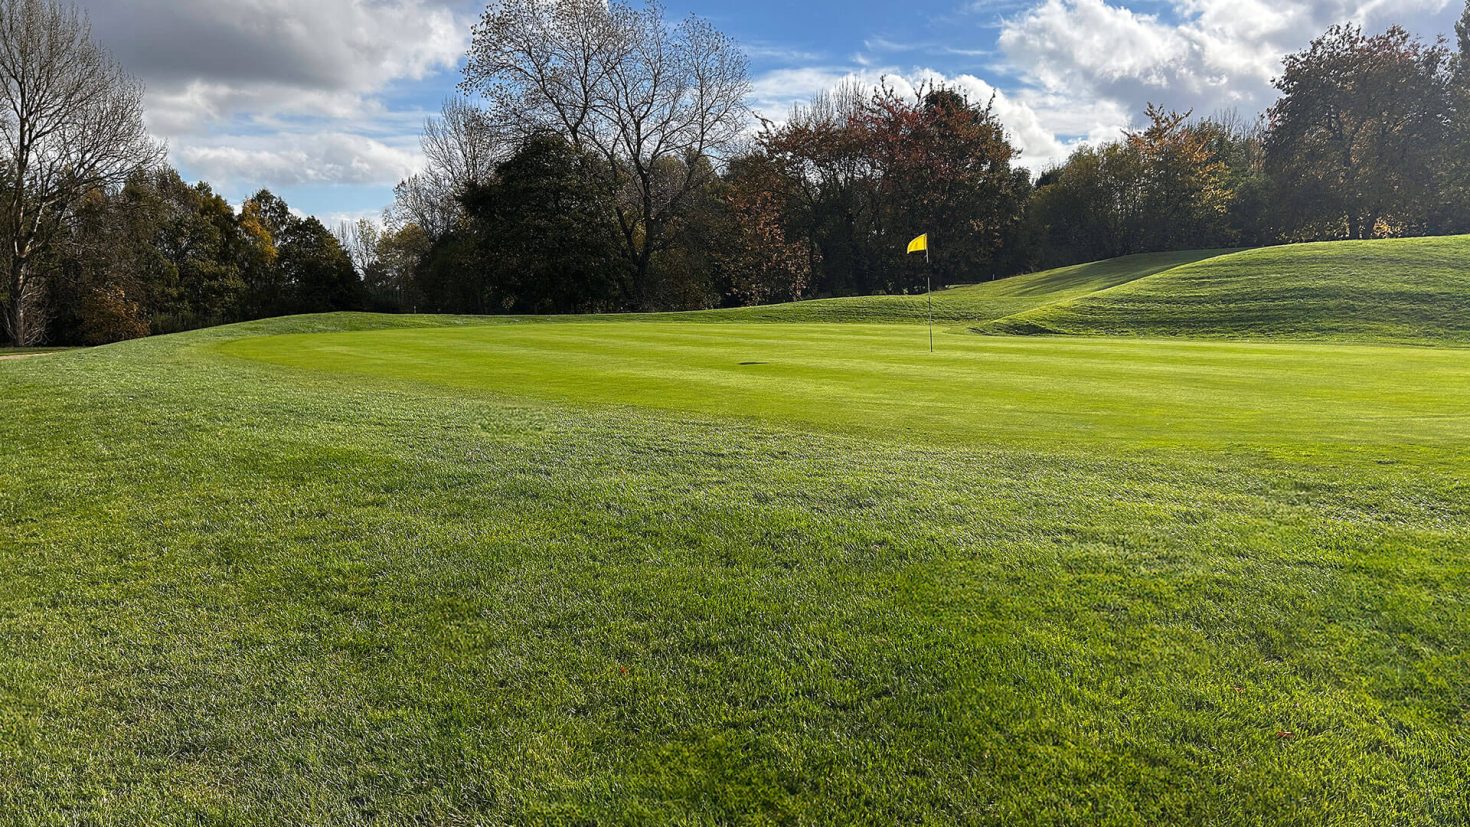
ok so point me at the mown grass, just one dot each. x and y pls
(971, 303)
(1403, 290)
(881, 381)
(601, 573)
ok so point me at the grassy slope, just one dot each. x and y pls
(434, 581)
(1407, 290)
(973, 303)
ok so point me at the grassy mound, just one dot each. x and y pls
(971, 303)
(355, 569)
(1400, 290)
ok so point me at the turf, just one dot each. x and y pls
(881, 381)
(355, 569)
(1404, 290)
(971, 303)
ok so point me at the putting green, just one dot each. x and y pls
(881, 379)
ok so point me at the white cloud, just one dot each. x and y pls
(280, 93)
(1064, 42)
(228, 55)
(774, 93)
(1209, 55)
(298, 160)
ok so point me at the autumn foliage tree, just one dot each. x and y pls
(1456, 164)
(943, 166)
(1184, 189)
(1092, 207)
(764, 261)
(165, 250)
(1164, 187)
(821, 173)
(1355, 139)
(862, 172)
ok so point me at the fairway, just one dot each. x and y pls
(445, 570)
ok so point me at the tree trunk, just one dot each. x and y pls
(18, 318)
(13, 322)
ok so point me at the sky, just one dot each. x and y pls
(322, 101)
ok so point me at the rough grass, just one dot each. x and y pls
(1404, 290)
(605, 573)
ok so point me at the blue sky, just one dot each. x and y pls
(322, 101)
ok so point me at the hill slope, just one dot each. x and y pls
(1404, 290)
(973, 303)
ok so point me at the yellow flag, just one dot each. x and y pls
(920, 244)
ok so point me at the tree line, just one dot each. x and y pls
(99, 239)
(603, 159)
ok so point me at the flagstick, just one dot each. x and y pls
(929, 288)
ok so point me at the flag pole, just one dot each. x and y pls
(922, 243)
(929, 288)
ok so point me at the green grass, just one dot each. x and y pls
(1405, 290)
(880, 381)
(972, 303)
(354, 569)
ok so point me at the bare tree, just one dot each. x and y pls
(422, 200)
(461, 146)
(657, 104)
(71, 122)
(461, 150)
(360, 239)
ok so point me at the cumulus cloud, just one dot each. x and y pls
(282, 93)
(774, 93)
(227, 57)
(1205, 55)
(331, 158)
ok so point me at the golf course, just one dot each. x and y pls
(1173, 538)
